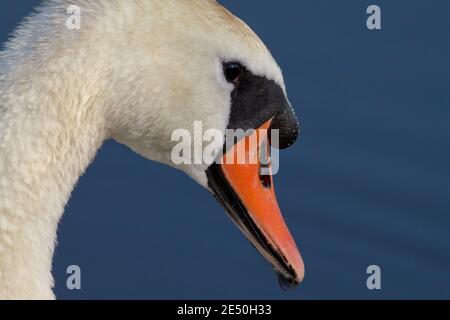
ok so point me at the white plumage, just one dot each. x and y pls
(130, 73)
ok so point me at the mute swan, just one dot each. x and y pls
(135, 71)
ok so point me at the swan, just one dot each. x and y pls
(135, 71)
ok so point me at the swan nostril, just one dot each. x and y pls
(266, 180)
(265, 172)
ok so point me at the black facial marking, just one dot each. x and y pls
(256, 100)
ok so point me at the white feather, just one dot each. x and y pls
(134, 72)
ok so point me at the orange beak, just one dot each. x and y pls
(250, 199)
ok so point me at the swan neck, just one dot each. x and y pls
(48, 137)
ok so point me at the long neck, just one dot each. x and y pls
(62, 93)
(50, 129)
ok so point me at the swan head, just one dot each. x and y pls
(189, 71)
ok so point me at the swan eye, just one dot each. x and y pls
(233, 72)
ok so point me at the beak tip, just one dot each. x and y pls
(301, 271)
(288, 284)
(291, 282)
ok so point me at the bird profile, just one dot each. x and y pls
(135, 71)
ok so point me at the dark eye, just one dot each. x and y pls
(233, 72)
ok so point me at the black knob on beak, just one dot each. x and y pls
(287, 124)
